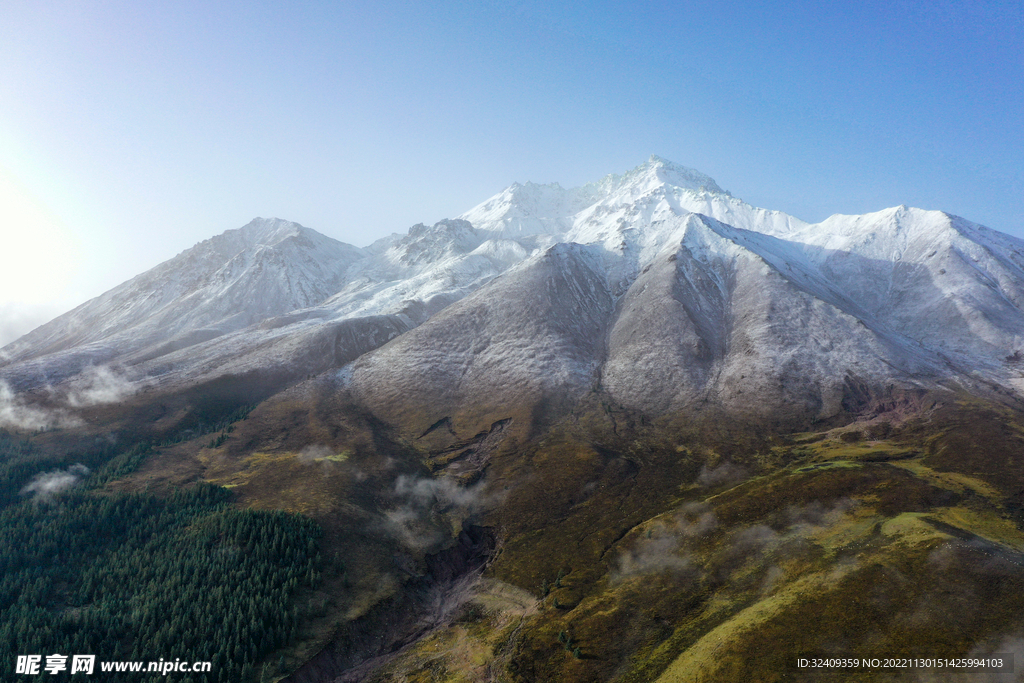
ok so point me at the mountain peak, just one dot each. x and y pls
(655, 172)
(672, 173)
(268, 230)
(530, 188)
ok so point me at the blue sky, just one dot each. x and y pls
(131, 130)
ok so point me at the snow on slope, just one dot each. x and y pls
(536, 330)
(710, 319)
(650, 192)
(938, 279)
(418, 274)
(268, 267)
(530, 209)
(756, 311)
(706, 321)
(705, 299)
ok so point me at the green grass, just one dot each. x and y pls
(821, 544)
(826, 465)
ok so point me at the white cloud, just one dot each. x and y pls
(16, 414)
(97, 385)
(430, 508)
(45, 485)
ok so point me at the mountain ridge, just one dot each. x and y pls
(935, 295)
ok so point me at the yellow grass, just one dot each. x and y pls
(700, 662)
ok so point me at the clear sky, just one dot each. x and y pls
(130, 130)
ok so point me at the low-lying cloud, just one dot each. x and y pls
(663, 549)
(95, 385)
(671, 545)
(16, 414)
(45, 485)
(428, 509)
(99, 384)
(804, 518)
(656, 555)
(444, 492)
(726, 473)
(315, 452)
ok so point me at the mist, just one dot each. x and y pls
(671, 545)
(46, 485)
(429, 509)
(97, 385)
(16, 414)
(664, 549)
(726, 473)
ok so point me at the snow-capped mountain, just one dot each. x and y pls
(690, 297)
(655, 286)
(231, 281)
(651, 192)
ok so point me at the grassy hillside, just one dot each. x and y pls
(595, 545)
